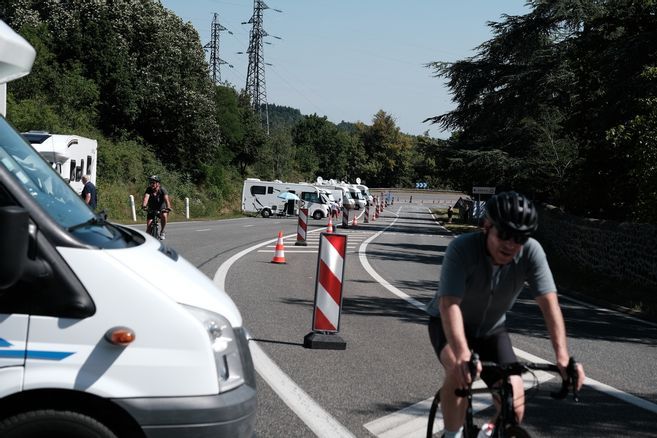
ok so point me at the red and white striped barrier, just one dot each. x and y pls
(367, 214)
(328, 294)
(345, 218)
(302, 227)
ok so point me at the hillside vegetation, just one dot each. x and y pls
(561, 104)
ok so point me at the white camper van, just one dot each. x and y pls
(356, 194)
(341, 194)
(105, 331)
(262, 197)
(71, 156)
(369, 199)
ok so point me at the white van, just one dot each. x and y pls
(262, 197)
(72, 156)
(105, 331)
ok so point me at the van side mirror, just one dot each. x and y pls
(14, 239)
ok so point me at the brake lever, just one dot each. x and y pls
(571, 371)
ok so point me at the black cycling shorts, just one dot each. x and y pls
(495, 347)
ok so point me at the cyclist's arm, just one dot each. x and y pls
(167, 200)
(452, 320)
(549, 305)
(144, 202)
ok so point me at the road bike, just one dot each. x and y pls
(155, 223)
(506, 424)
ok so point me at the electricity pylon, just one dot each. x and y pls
(256, 87)
(215, 61)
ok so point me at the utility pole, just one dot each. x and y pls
(215, 61)
(255, 75)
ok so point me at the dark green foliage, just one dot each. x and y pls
(565, 95)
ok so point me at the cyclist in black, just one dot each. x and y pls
(156, 198)
(481, 277)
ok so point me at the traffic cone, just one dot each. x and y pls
(329, 227)
(279, 255)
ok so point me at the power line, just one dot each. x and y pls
(215, 61)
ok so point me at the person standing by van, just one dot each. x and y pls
(89, 192)
(156, 198)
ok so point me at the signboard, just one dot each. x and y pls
(421, 185)
(483, 190)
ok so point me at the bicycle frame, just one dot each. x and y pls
(506, 424)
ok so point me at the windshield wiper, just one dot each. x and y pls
(94, 221)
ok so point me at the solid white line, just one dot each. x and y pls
(362, 256)
(317, 419)
(204, 229)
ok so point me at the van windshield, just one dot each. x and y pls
(45, 186)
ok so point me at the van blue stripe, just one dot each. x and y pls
(31, 354)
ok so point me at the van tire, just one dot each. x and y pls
(317, 215)
(49, 422)
(265, 213)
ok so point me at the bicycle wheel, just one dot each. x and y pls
(155, 230)
(432, 414)
(516, 432)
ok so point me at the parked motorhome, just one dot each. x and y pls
(359, 200)
(369, 199)
(262, 197)
(72, 156)
(340, 193)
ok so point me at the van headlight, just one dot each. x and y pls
(230, 370)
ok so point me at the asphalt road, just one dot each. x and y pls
(373, 387)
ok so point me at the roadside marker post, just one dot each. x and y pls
(328, 294)
(367, 214)
(302, 227)
(345, 218)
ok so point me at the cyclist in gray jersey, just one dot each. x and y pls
(481, 277)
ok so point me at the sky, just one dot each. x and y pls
(348, 59)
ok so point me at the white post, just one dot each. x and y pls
(187, 208)
(132, 208)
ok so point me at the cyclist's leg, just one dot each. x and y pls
(452, 406)
(497, 348)
(163, 217)
(149, 223)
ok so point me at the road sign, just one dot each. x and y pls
(421, 185)
(483, 190)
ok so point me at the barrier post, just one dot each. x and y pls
(328, 294)
(302, 227)
(367, 214)
(132, 208)
(187, 208)
(345, 218)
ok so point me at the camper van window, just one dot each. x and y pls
(310, 197)
(78, 172)
(89, 171)
(257, 190)
(72, 175)
(270, 190)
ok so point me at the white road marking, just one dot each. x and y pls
(204, 229)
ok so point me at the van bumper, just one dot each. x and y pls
(230, 414)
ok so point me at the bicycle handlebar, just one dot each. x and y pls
(518, 368)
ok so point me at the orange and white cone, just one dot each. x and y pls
(279, 255)
(329, 227)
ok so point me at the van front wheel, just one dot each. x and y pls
(317, 215)
(265, 213)
(49, 422)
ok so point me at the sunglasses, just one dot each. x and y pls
(508, 235)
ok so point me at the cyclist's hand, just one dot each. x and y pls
(567, 372)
